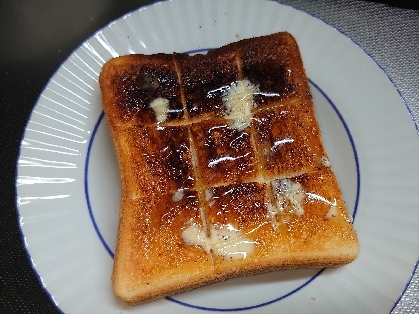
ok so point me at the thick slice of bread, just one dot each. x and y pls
(223, 169)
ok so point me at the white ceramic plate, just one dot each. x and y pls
(68, 181)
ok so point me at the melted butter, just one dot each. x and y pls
(273, 215)
(332, 212)
(160, 106)
(272, 210)
(238, 100)
(224, 240)
(209, 196)
(194, 235)
(290, 192)
(325, 162)
(179, 194)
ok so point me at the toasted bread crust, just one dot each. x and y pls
(192, 168)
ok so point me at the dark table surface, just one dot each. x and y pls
(37, 36)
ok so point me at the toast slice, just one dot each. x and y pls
(223, 169)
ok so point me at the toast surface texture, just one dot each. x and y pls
(223, 169)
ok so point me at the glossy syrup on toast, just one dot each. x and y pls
(223, 169)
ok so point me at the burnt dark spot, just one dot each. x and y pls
(141, 84)
(203, 76)
(178, 166)
(171, 156)
(241, 202)
(224, 153)
(268, 64)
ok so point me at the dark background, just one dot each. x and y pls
(36, 37)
